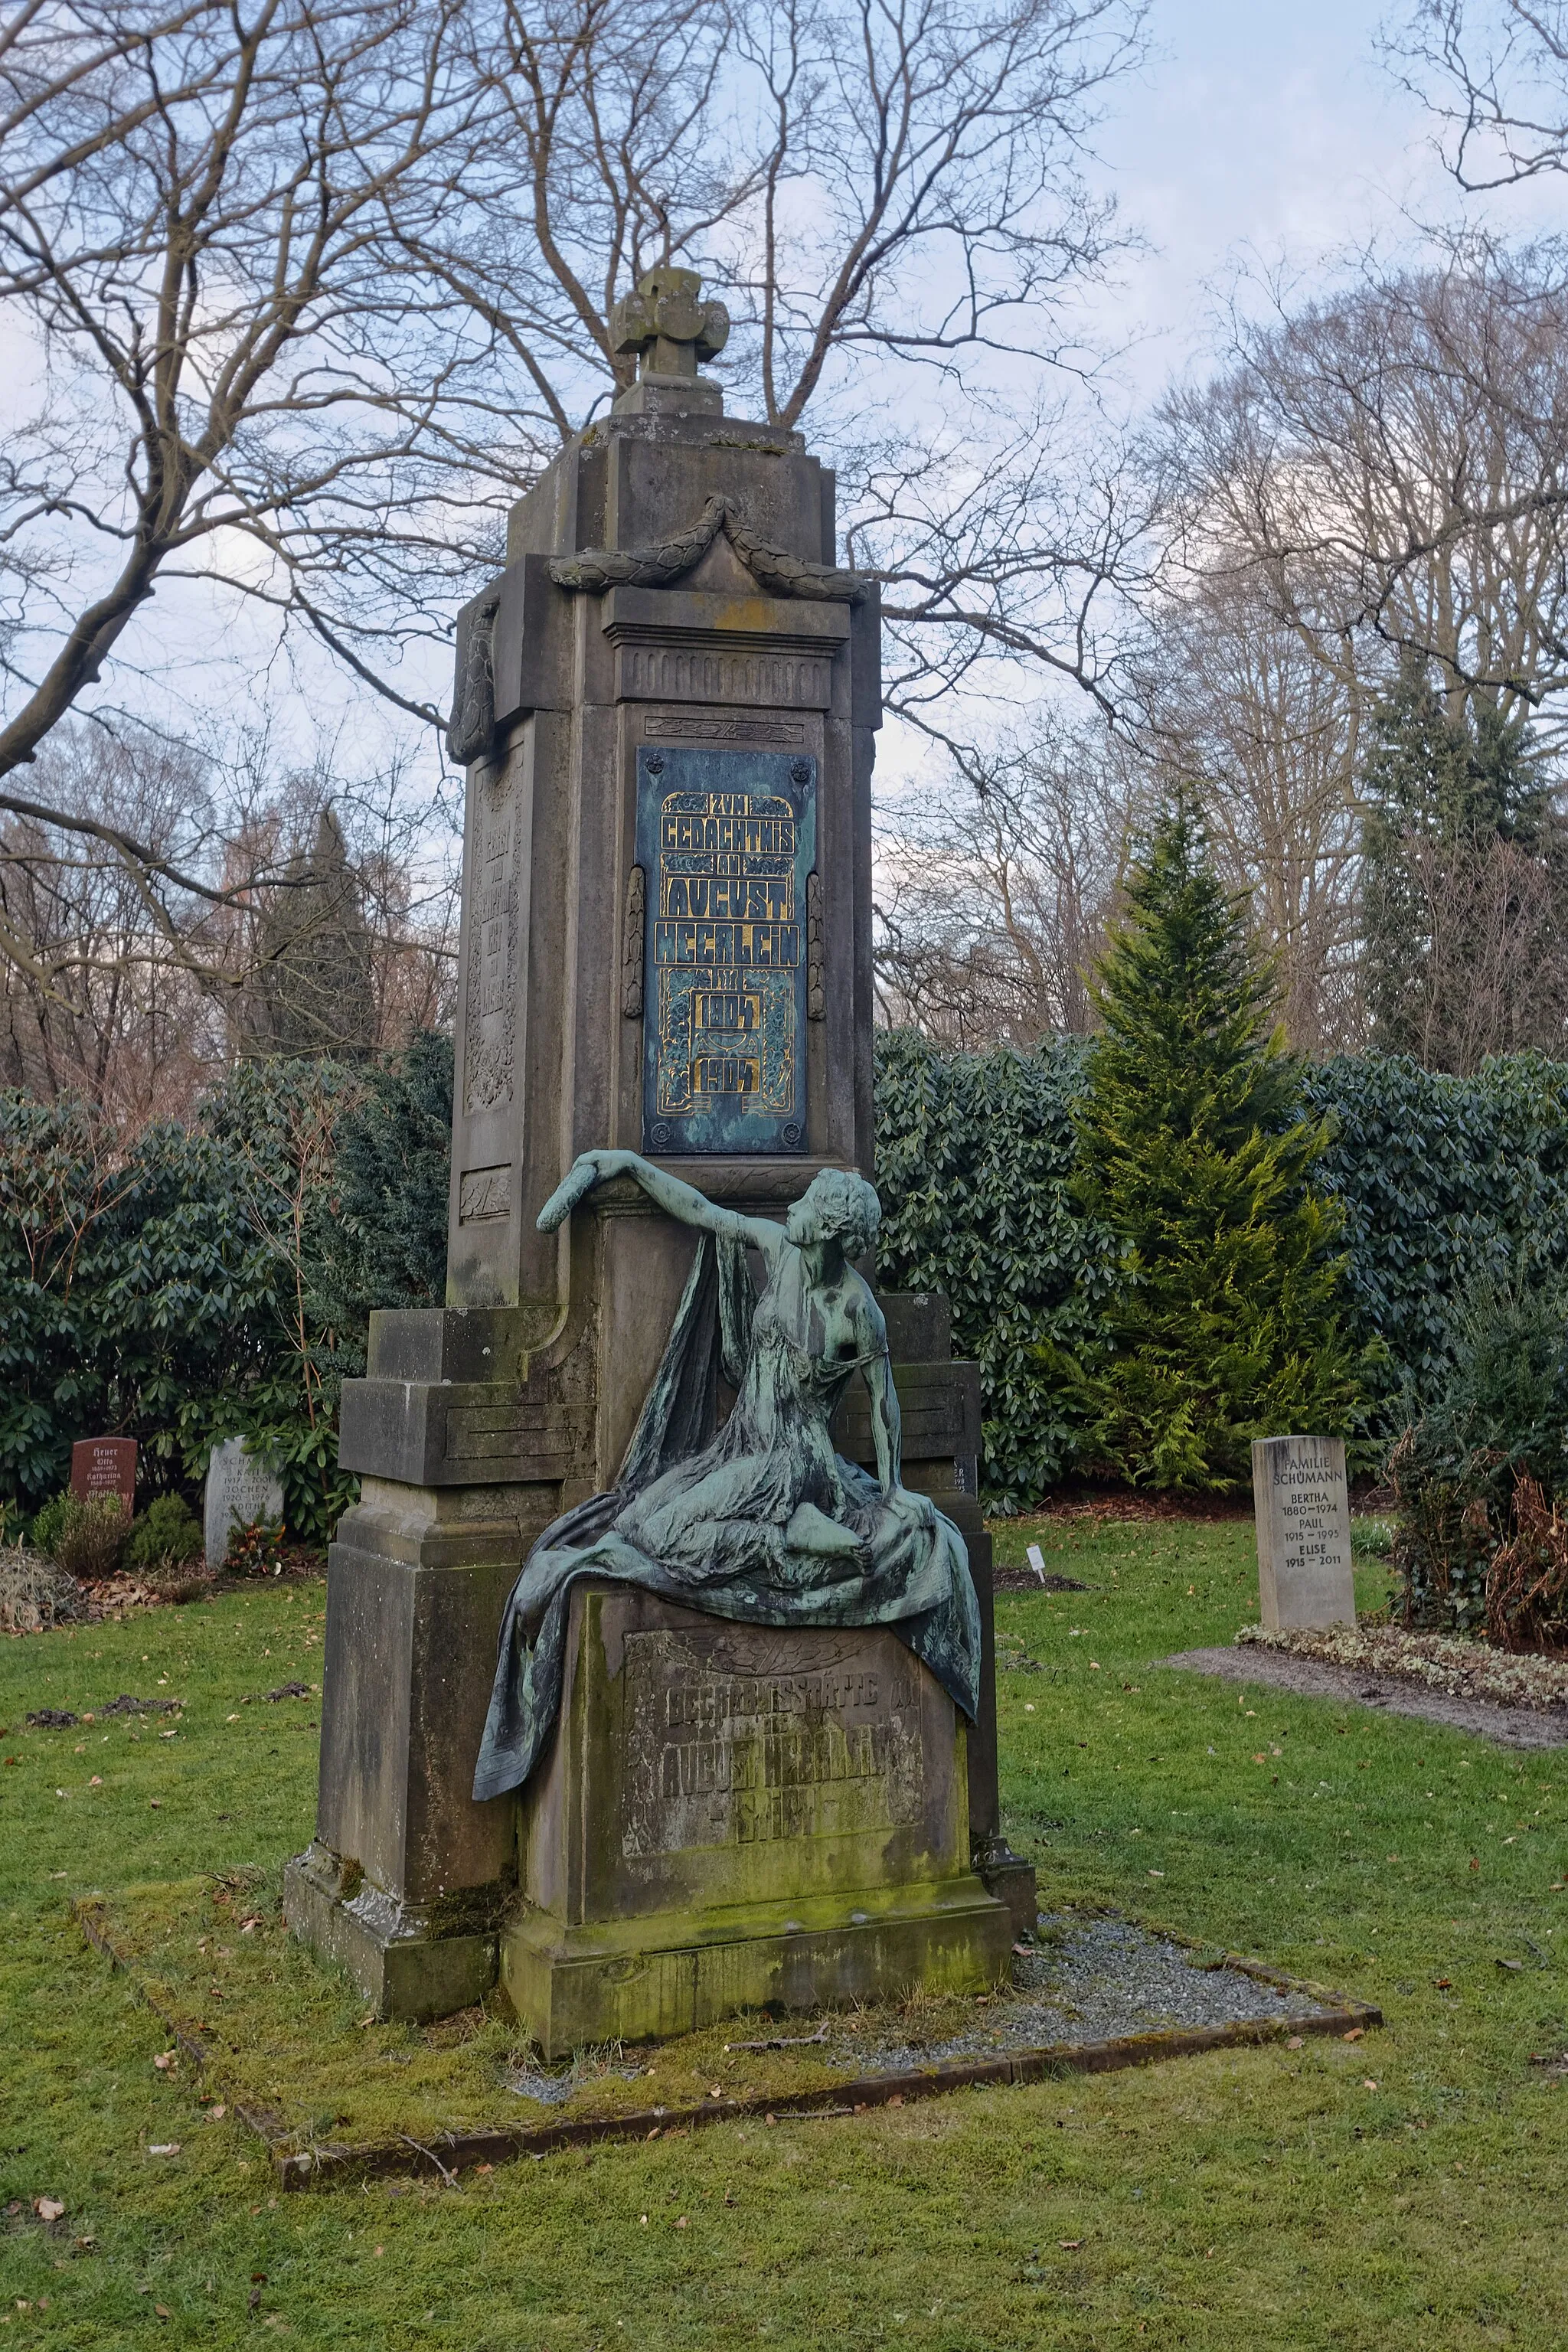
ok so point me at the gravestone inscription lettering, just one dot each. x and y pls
(727, 839)
(241, 1491)
(105, 1465)
(1301, 1499)
(722, 1757)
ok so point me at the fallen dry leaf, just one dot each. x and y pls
(47, 2209)
(1297, 2041)
(1069, 2246)
(1357, 2033)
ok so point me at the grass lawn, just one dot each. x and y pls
(1405, 2190)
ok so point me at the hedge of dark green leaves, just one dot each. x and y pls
(1438, 1176)
(974, 1156)
(214, 1281)
(1442, 1178)
(172, 1296)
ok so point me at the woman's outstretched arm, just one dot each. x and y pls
(682, 1201)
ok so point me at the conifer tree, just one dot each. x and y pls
(315, 990)
(1225, 1326)
(1441, 794)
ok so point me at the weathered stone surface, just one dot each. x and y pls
(241, 1491)
(404, 1858)
(735, 1814)
(105, 1465)
(1302, 1505)
(409, 1960)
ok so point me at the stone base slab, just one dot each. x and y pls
(734, 1816)
(407, 1960)
(658, 1977)
(1012, 1881)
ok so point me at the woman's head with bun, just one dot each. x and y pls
(838, 1206)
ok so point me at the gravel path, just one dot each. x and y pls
(1510, 1727)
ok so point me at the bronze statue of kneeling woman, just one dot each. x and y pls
(762, 1522)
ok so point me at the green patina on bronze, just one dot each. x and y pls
(762, 1524)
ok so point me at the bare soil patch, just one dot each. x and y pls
(1510, 1725)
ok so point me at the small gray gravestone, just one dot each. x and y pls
(1302, 1502)
(241, 1491)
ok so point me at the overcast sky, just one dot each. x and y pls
(1262, 131)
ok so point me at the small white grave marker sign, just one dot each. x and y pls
(1038, 1561)
(1302, 1503)
(241, 1491)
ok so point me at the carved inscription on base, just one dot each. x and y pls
(721, 1758)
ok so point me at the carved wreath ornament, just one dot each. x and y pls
(780, 573)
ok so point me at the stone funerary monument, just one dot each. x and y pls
(668, 706)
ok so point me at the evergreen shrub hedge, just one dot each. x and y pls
(1437, 1176)
(153, 1297)
(215, 1280)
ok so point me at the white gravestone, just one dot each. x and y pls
(1303, 1505)
(241, 1491)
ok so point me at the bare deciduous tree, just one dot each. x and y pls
(1238, 713)
(91, 1004)
(124, 983)
(1496, 77)
(1388, 470)
(1494, 976)
(314, 293)
(993, 894)
(193, 238)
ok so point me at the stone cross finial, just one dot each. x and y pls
(667, 325)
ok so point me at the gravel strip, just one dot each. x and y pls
(1510, 1727)
(1092, 1979)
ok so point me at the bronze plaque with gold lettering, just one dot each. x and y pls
(727, 839)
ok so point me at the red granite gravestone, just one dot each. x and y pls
(105, 1465)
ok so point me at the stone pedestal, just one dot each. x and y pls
(733, 1815)
(406, 1879)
